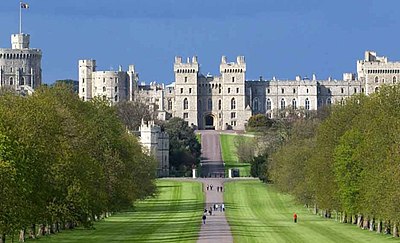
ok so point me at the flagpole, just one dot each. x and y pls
(20, 17)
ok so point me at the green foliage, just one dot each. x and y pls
(65, 160)
(185, 149)
(258, 122)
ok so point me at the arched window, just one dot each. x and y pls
(116, 98)
(376, 89)
(328, 101)
(104, 89)
(307, 104)
(185, 104)
(11, 81)
(294, 104)
(283, 104)
(376, 79)
(219, 104)
(209, 104)
(394, 80)
(269, 105)
(169, 104)
(255, 104)
(233, 104)
(22, 81)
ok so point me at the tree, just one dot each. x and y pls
(258, 122)
(185, 149)
(132, 113)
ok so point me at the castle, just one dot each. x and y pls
(228, 100)
(20, 66)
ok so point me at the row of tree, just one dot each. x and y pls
(65, 162)
(347, 165)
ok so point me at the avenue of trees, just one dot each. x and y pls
(65, 162)
(346, 166)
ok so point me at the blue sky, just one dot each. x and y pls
(281, 38)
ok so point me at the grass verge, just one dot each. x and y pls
(229, 155)
(257, 213)
(173, 216)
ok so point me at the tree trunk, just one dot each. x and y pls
(315, 209)
(354, 219)
(359, 220)
(387, 227)
(344, 218)
(395, 230)
(372, 224)
(379, 229)
(32, 231)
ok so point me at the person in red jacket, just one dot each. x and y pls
(295, 217)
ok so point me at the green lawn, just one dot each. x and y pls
(257, 213)
(229, 154)
(173, 216)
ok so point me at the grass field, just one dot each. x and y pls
(257, 213)
(173, 216)
(229, 154)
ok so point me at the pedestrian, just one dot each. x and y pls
(223, 207)
(204, 218)
(210, 211)
(221, 189)
(205, 210)
(217, 188)
(220, 208)
(207, 187)
(295, 217)
(216, 207)
(211, 186)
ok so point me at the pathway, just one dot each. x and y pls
(216, 228)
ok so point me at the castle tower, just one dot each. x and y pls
(133, 82)
(20, 66)
(186, 80)
(86, 70)
(234, 99)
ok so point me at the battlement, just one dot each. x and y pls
(20, 41)
(191, 66)
(233, 67)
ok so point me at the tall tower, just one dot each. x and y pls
(234, 99)
(186, 80)
(20, 66)
(86, 70)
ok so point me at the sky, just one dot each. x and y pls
(281, 38)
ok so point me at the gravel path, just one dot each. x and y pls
(216, 228)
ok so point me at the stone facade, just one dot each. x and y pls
(226, 101)
(156, 144)
(20, 66)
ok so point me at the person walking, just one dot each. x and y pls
(223, 207)
(295, 218)
(208, 187)
(204, 218)
(210, 211)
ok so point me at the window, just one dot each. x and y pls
(294, 91)
(268, 91)
(307, 91)
(229, 90)
(104, 80)
(376, 79)
(255, 104)
(376, 89)
(186, 79)
(209, 104)
(269, 105)
(11, 81)
(185, 115)
(116, 89)
(237, 90)
(181, 90)
(104, 89)
(283, 90)
(219, 104)
(329, 101)
(116, 98)
(83, 90)
(233, 79)
(169, 104)
(185, 104)
(83, 80)
(283, 104)
(22, 81)
(233, 115)
(190, 90)
(294, 104)
(342, 90)
(394, 80)
(355, 90)
(307, 104)
(233, 104)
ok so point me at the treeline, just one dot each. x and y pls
(347, 166)
(65, 162)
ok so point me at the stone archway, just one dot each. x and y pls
(209, 122)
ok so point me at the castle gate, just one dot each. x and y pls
(209, 122)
